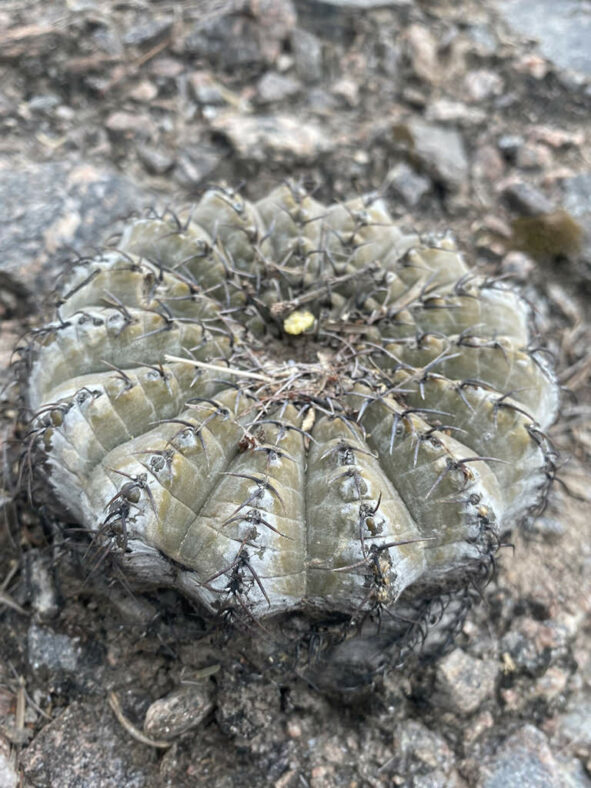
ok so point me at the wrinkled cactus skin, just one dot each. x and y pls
(286, 407)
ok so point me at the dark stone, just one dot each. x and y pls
(509, 145)
(6, 106)
(64, 663)
(87, 747)
(148, 33)
(338, 20)
(52, 650)
(526, 199)
(437, 150)
(533, 645)
(50, 211)
(229, 42)
(249, 37)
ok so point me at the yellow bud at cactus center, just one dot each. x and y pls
(298, 322)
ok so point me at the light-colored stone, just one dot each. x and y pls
(178, 712)
(463, 682)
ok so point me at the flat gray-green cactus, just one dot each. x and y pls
(285, 407)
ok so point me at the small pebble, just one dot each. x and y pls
(175, 714)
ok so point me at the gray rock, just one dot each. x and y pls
(178, 712)
(533, 157)
(421, 753)
(366, 5)
(8, 775)
(166, 70)
(438, 150)
(463, 683)
(228, 42)
(488, 165)
(43, 104)
(280, 138)
(563, 29)
(574, 727)
(155, 160)
(337, 20)
(65, 113)
(129, 124)
(57, 207)
(347, 91)
(148, 33)
(321, 102)
(52, 650)
(526, 199)
(483, 84)
(577, 201)
(31, 40)
(526, 761)
(205, 89)
(65, 664)
(390, 54)
(86, 747)
(41, 581)
(6, 106)
(485, 38)
(144, 92)
(455, 113)
(195, 164)
(437, 779)
(235, 39)
(276, 87)
(307, 52)
(577, 194)
(407, 184)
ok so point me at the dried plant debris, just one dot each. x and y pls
(291, 412)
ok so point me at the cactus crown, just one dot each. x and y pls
(284, 406)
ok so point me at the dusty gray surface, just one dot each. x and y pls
(106, 107)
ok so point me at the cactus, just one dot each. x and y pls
(286, 408)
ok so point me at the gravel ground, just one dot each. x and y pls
(463, 123)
